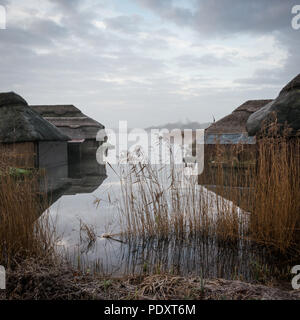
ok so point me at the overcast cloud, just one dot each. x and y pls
(148, 61)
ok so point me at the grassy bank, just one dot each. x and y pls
(37, 281)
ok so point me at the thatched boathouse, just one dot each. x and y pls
(285, 109)
(228, 147)
(72, 122)
(232, 128)
(27, 139)
(230, 132)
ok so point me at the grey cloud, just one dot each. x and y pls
(212, 17)
(78, 15)
(167, 10)
(82, 63)
(68, 6)
(128, 24)
(4, 2)
(277, 78)
(236, 16)
(228, 18)
(264, 77)
(206, 60)
(259, 57)
(219, 19)
(48, 27)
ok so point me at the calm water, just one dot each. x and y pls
(74, 204)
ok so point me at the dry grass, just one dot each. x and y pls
(22, 234)
(33, 280)
(87, 233)
(159, 201)
(275, 219)
(39, 280)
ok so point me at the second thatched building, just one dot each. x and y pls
(230, 132)
(73, 123)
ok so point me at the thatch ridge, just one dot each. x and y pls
(292, 85)
(236, 121)
(59, 110)
(74, 122)
(64, 115)
(20, 123)
(70, 120)
(11, 98)
(285, 109)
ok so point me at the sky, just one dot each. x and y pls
(149, 62)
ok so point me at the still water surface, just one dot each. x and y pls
(75, 205)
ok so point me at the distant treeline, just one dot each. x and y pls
(181, 125)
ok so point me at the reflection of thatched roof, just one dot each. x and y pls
(70, 120)
(19, 123)
(236, 121)
(86, 184)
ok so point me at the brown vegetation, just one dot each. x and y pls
(158, 201)
(35, 281)
(22, 234)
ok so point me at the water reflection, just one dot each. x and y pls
(78, 177)
(74, 202)
(205, 257)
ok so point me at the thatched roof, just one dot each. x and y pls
(285, 108)
(235, 122)
(292, 85)
(74, 122)
(68, 110)
(19, 123)
(70, 120)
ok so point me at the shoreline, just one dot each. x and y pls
(34, 281)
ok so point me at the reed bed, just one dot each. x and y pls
(275, 219)
(22, 234)
(161, 201)
(250, 194)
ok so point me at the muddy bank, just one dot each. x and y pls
(60, 282)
